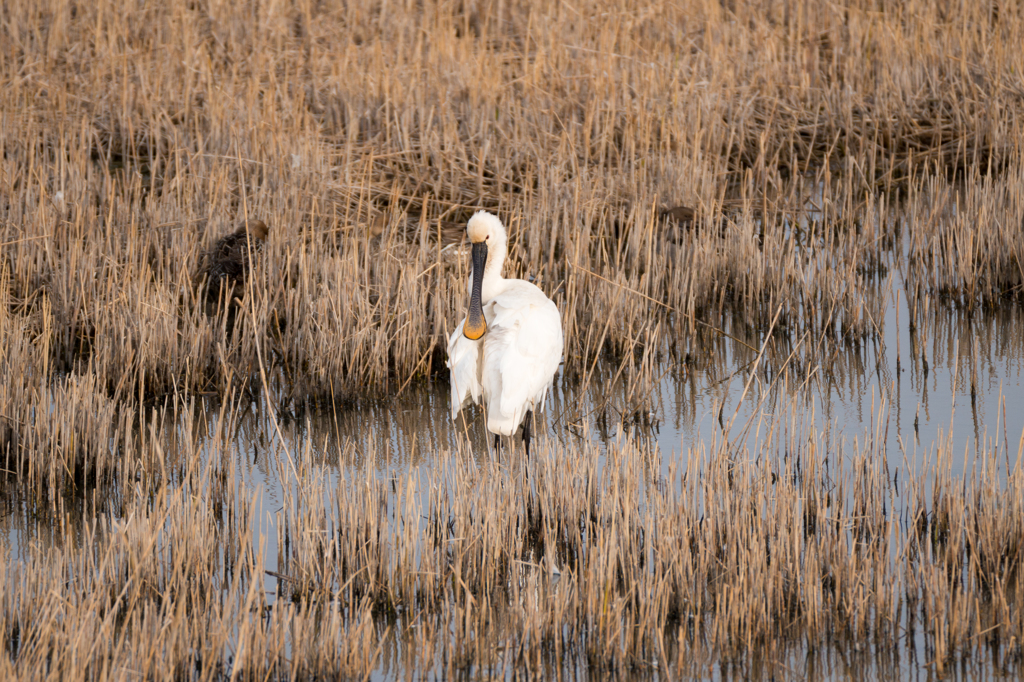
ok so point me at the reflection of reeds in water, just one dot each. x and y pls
(613, 563)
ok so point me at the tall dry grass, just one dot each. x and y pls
(810, 140)
(132, 138)
(825, 149)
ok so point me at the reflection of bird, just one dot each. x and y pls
(507, 349)
(227, 264)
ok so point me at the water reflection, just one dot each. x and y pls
(943, 374)
(953, 375)
(946, 378)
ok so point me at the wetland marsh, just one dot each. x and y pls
(786, 438)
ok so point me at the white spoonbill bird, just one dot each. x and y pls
(507, 349)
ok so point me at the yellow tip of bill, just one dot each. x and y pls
(474, 329)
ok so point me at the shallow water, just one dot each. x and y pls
(954, 380)
(956, 383)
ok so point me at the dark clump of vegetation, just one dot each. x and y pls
(225, 267)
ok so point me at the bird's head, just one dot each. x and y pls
(258, 230)
(485, 228)
(487, 234)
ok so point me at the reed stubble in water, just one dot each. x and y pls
(611, 564)
(812, 140)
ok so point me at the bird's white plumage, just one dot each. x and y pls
(463, 361)
(512, 366)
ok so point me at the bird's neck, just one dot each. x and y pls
(493, 281)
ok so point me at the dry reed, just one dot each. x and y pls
(825, 149)
(581, 561)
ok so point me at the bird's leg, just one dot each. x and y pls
(497, 443)
(527, 423)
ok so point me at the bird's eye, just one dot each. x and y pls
(487, 237)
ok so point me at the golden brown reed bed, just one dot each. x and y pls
(724, 557)
(132, 138)
(130, 145)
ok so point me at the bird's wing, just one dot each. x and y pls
(463, 361)
(523, 348)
